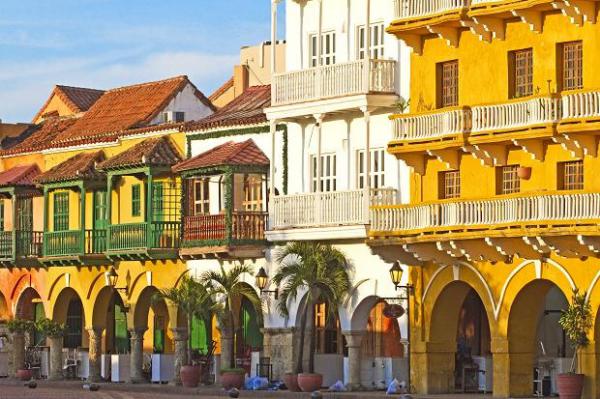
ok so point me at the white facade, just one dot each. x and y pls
(187, 102)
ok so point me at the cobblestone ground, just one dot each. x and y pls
(12, 389)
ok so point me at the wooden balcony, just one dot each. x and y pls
(212, 235)
(525, 225)
(411, 9)
(156, 240)
(74, 247)
(20, 247)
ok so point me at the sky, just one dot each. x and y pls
(110, 43)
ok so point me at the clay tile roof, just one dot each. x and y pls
(19, 176)
(78, 99)
(127, 107)
(37, 138)
(230, 153)
(80, 167)
(155, 151)
(246, 109)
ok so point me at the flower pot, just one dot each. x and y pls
(524, 172)
(24, 374)
(232, 379)
(190, 376)
(291, 382)
(570, 385)
(310, 382)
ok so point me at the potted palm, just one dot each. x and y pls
(576, 321)
(228, 289)
(18, 328)
(192, 298)
(55, 332)
(322, 271)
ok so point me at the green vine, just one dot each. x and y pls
(228, 202)
(220, 243)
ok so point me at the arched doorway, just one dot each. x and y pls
(152, 317)
(248, 335)
(459, 353)
(4, 312)
(538, 347)
(30, 307)
(68, 309)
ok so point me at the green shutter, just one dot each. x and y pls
(136, 209)
(201, 335)
(38, 314)
(61, 211)
(121, 337)
(253, 338)
(159, 334)
(158, 202)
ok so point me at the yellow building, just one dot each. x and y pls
(502, 224)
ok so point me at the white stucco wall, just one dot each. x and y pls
(186, 101)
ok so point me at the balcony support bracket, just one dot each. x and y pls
(532, 18)
(450, 35)
(415, 42)
(494, 27)
(578, 145)
(578, 11)
(449, 157)
(488, 155)
(535, 148)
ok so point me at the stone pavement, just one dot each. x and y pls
(13, 389)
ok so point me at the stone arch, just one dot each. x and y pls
(69, 310)
(4, 309)
(101, 306)
(24, 308)
(360, 316)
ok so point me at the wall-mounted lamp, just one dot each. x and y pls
(262, 279)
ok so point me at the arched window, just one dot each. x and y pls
(74, 324)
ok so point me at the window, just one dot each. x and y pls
(377, 36)
(508, 181)
(328, 172)
(201, 196)
(377, 168)
(61, 211)
(521, 73)
(571, 65)
(447, 87)
(252, 193)
(328, 337)
(449, 184)
(173, 116)
(327, 49)
(136, 200)
(570, 175)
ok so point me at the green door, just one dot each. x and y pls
(121, 335)
(159, 334)
(24, 227)
(201, 334)
(100, 221)
(39, 339)
(158, 215)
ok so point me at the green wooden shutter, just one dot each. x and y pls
(1, 215)
(201, 335)
(24, 214)
(159, 334)
(136, 194)
(61, 211)
(158, 206)
(253, 338)
(121, 337)
(38, 314)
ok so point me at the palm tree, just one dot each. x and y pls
(322, 271)
(193, 298)
(228, 289)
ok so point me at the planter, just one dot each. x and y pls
(291, 382)
(190, 376)
(524, 172)
(570, 385)
(310, 382)
(24, 374)
(232, 379)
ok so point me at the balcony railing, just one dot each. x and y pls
(30, 243)
(423, 8)
(581, 105)
(344, 79)
(516, 114)
(432, 125)
(213, 228)
(522, 209)
(326, 209)
(74, 242)
(139, 236)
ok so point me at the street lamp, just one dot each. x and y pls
(113, 277)
(262, 280)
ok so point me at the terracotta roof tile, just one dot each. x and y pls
(246, 109)
(19, 176)
(230, 153)
(127, 107)
(78, 99)
(79, 167)
(37, 138)
(155, 151)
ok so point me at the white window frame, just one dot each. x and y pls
(202, 196)
(328, 56)
(328, 172)
(377, 41)
(377, 172)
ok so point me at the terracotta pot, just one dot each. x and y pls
(524, 172)
(24, 374)
(291, 382)
(190, 376)
(310, 382)
(232, 379)
(570, 386)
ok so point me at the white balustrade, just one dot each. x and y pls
(493, 212)
(515, 114)
(432, 125)
(335, 80)
(423, 8)
(581, 105)
(326, 208)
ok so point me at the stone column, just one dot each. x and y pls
(56, 358)
(18, 348)
(226, 349)
(180, 338)
(136, 373)
(95, 351)
(354, 342)
(279, 346)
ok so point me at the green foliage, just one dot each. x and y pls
(51, 328)
(17, 325)
(576, 321)
(402, 104)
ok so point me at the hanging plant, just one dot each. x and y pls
(17, 325)
(51, 328)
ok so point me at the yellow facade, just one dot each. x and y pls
(511, 250)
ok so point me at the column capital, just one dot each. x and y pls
(95, 332)
(137, 333)
(354, 338)
(180, 334)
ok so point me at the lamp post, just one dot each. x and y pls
(262, 280)
(113, 277)
(396, 272)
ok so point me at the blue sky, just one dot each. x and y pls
(109, 43)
